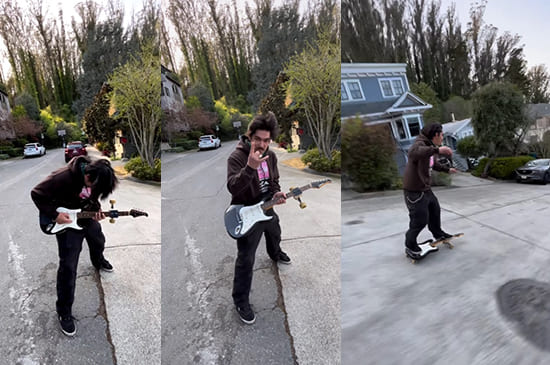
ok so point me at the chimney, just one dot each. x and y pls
(453, 117)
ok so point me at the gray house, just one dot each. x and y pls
(4, 105)
(171, 96)
(379, 93)
(456, 130)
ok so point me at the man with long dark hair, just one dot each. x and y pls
(421, 202)
(252, 177)
(79, 185)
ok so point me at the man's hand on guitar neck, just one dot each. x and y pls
(279, 197)
(99, 216)
(63, 218)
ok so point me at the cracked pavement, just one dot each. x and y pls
(31, 332)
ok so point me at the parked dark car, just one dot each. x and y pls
(75, 148)
(535, 170)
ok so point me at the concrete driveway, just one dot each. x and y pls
(461, 306)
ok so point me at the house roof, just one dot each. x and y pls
(455, 127)
(536, 111)
(168, 74)
(406, 103)
(3, 92)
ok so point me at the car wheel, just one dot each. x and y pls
(546, 178)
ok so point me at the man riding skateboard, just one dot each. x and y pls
(421, 202)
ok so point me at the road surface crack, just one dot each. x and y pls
(102, 311)
(281, 305)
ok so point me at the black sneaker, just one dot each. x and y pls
(67, 325)
(105, 266)
(443, 236)
(246, 313)
(283, 258)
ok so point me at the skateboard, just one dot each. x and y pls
(446, 241)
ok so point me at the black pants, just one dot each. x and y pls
(423, 209)
(69, 244)
(247, 246)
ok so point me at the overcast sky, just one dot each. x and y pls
(528, 18)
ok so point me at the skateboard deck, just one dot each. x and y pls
(446, 241)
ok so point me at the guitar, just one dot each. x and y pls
(49, 226)
(240, 219)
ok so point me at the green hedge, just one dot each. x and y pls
(141, 170)
(502, 167)
(320, 163)
(12, 152)
(186, 144)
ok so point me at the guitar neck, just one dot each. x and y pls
(271, 203)
(87, 214)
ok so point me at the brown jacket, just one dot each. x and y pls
(242, 180)
(417, 172)
(62, 189)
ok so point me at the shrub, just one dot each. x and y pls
(141, 170)
(320, 163)
(502, 167)
(369, 156)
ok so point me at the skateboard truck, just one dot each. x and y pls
(112, 202)
(302, 204)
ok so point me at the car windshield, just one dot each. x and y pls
(30, 145)
(544, 162)
(74, 146)
(206, 137)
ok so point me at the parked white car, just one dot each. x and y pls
(34, 149)
(209, 141)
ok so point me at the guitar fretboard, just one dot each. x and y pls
(111, 214)
(295, 192)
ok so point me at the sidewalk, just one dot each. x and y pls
(132, 293)
(459, 180)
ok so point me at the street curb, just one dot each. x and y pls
(146, 182)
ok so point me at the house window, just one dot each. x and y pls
(386, 88)
(351, 90)
(414, 126)
(400, 129)
(391, 87)
(408, 127)
(344, 92)
(397, 86)
(355, 90)
(166, 91)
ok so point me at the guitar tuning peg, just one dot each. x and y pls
(303, 205)
(112, 220)
(112, 202)
(292, 188)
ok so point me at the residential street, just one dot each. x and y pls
(446, 308)
(118, 314)
(297, 306)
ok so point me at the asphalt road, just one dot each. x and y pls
(118, 315)
(30, 324)
(446, 309)
(297, 307)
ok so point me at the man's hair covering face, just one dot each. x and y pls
(102, 176)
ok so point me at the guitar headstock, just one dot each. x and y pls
(137, 213)
(320, 183)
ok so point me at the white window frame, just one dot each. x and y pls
(390, 79)
(348, 91)
(405, 120)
